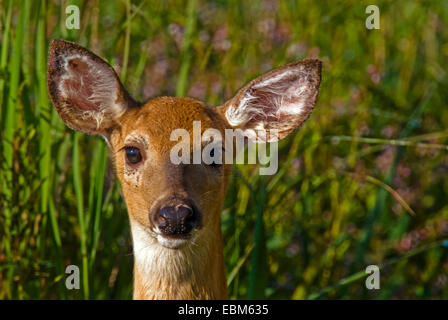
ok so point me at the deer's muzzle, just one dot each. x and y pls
(175, 220)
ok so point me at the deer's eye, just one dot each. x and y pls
(133, 155)
(212, 155)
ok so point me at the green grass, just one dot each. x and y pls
(364, 181)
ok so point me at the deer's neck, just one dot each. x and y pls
(195, 271)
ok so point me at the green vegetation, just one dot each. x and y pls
(364, 181)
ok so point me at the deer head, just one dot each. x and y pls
(174, 209)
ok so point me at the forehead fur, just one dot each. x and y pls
(160, 116)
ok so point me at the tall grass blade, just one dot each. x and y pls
(186, 54)
(77, 183)
(258, 263)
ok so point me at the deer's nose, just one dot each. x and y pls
(176, 220)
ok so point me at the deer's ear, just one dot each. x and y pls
(84, 89)
(281, 99)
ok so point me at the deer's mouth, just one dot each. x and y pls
(174, 242)
(177, 241)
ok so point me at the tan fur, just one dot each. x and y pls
(89, 97)
(196, 271)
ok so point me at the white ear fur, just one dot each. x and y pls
(73, 86)
(279, 100)
(84, 89)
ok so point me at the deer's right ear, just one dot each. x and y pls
(85, 89)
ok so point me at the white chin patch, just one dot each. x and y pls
(171, 243)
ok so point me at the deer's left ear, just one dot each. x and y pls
(281, 99)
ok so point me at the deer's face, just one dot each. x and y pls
(172, 204)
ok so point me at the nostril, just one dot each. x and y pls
(165, 213)
(184, 212)
(176, 220)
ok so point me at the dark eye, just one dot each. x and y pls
(214, 164)
(133, 155)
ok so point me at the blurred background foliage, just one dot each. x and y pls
(363, 182)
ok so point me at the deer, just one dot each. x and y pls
(174, 210)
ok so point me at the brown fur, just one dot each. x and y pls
(193, 181)
(79, 84)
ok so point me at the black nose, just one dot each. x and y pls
(176, 220)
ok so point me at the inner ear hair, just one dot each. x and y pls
(281, 100)
(85, 90)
